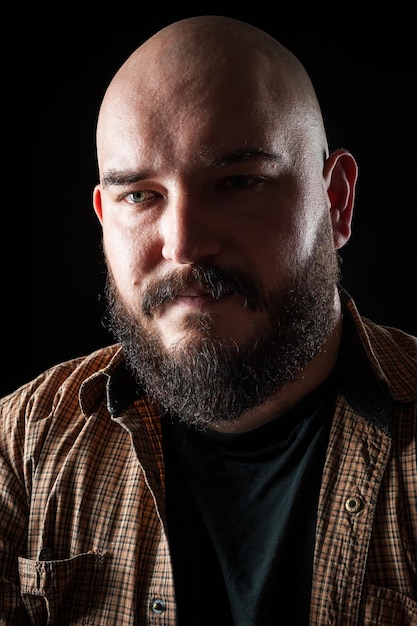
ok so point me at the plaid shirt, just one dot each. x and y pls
(82, 511)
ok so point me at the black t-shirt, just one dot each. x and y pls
(241, 512)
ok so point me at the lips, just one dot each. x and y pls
(202, 282)
(196, 292)
(196, 297)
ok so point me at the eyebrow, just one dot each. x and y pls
(120, 178)
(123, 177)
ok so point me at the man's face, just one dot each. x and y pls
(216, 230)
(207, 379)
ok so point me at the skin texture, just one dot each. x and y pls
(212, 151)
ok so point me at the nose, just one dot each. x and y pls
(188, 230)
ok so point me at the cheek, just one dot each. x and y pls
(285, 240)
(287, 248)
(306, 218)
(127, 257)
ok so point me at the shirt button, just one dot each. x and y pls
(354, 504)
(45, 554)
(158, 606)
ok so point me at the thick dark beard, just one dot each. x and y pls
(211, 380)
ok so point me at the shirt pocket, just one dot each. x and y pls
(383, 607)
(61, 591)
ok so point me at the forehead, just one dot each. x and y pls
(198, 120)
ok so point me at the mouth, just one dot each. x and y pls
(203, 286)
(197, 297)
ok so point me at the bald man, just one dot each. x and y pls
(246, 450)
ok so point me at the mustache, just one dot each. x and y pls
(216, 282)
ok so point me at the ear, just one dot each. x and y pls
(98, 209)
(340, 175)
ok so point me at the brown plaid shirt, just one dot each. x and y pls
(82, 512)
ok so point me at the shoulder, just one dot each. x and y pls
(396, 354)
(392, 354)
(390, 342)
(62, 380)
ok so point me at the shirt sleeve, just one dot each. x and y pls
(13, 510)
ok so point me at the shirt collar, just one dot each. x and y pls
(365, 390)
(114, 382)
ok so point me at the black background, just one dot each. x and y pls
(56, 66)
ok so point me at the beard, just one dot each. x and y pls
(209, 380)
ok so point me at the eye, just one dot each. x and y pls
(243, 181)
(138, 197)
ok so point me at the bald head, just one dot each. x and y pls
(209, 44)
(206, 63)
